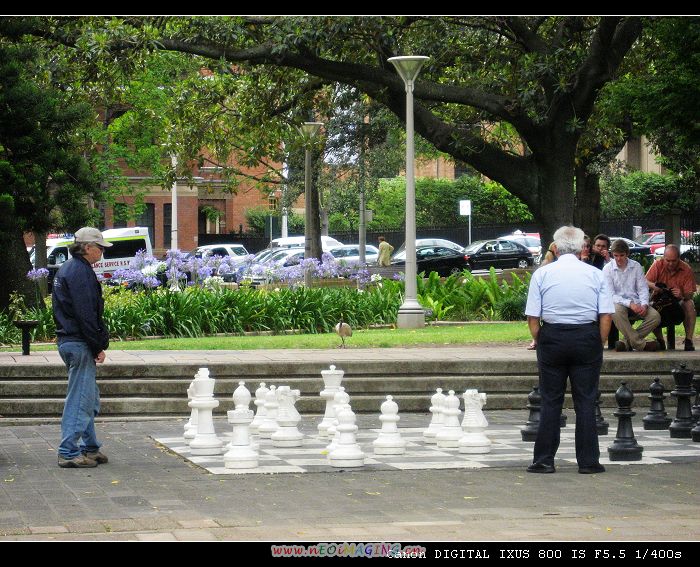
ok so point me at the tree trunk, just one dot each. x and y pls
(315, 208)
(14, 259)
(587, 210)
(555, 182)
(324, 222)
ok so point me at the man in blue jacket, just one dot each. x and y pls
(82, 338)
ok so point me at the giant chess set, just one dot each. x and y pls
(275, 439)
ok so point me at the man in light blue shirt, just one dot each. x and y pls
(568, 312)
(630, 290)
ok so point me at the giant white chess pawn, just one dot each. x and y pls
(331, 382)
(342, 400)
(205, 441)
(474, 440)
(288, 418)
(191, 425)
(259, 402)
(389, 441)
(269, 425)
(240, 454)
(449, 435)
(437, 403)
(348, 452)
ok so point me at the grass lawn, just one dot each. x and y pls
(470, 333)
(382, 338)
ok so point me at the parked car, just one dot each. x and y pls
(690, 252)
(531, 241)
(327, 242)
(657, 238)
(350, 253)
(235, 251)
(635, 247)
(497, 253)
(445, 261)
(432, 242)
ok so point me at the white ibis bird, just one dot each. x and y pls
(344, 330)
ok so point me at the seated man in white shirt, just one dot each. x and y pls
(630, 292)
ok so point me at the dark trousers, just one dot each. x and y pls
(574, 352)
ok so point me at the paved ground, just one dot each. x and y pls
(149, 493)
(514, 352)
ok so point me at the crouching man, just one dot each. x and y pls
(630, 293)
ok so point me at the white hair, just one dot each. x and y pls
(569, 240)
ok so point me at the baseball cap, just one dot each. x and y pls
(90, 234)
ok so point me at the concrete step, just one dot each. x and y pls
(37, 390)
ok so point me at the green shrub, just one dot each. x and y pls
(512, 307)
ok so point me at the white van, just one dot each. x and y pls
(300, 241)
(126, 242)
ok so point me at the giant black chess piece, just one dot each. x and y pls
(600, 424)
(657, 418)
(625, 446)
(695, 431)
(683, 423)
(696, 406)
(534, 404)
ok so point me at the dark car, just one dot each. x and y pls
(499, 253)
(635, 247)
(445, 261)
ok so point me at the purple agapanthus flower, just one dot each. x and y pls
(37, 274)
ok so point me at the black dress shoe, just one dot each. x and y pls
(541, 468)
(593, 469)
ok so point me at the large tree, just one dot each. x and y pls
(44, 179)
(540, 75)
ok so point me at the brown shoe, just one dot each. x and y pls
(101, 458)
(79, 462)
(620, 346)
(651, 346)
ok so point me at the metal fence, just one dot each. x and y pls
(460, 234)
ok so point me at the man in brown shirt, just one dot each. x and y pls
(679, 278)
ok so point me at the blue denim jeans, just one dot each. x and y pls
(82, 401)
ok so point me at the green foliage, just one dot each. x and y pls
(196, 312)
(643, 194)
(437, 202)
(259, 217)
(512, 307)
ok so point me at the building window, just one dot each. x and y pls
(148, 219)
(167, 224)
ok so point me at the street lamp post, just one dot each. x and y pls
(173, 207)
(411, 314)
(309, 131)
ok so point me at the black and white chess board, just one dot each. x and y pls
(508, 450)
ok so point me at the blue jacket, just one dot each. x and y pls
(78, 305)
